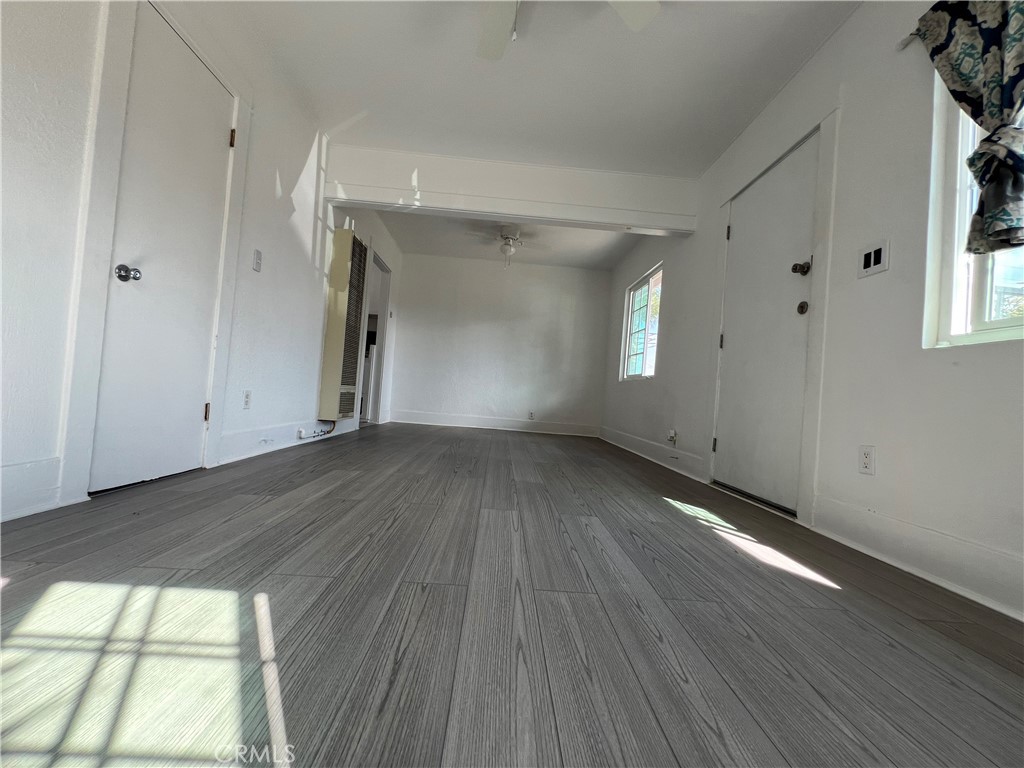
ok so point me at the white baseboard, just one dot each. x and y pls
(29, 487)
(492, 422)
(985, 575)
(683, 462)
(245, 444)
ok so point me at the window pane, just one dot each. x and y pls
(1007, 291)
(640, 297)
(633, 365)
(636, 343)
(639, 320)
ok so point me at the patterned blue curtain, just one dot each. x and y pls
(978, 50)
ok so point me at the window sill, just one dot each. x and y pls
(1015, 333)
(637, 378)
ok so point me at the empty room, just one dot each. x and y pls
(597, 383)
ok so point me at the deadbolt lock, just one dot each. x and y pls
(802, 269)
(801, 308)
(124, 273)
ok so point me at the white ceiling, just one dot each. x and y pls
(476, 239)
(576, 89)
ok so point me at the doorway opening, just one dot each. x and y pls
(378, 312)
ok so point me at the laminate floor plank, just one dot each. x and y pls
(222, 538)
(501, 711)
(775, 691)
(864, 698)
(396, 712)
(554, 562)
(499, 487)
(993, 732)
(703, 717)
(332, 636)
(558, 482)
(601, 710)
(446, 552)
(975, 636)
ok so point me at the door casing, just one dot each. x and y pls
(824, 213)
(115, 40)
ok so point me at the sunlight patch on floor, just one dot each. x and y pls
(119, 674)
(748, 544)
(774, 558)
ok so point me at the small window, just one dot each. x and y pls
(643, 306)
(982, 295)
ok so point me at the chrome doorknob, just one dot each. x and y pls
(124, 273)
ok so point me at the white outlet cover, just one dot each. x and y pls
(257, 260)
(873, 259)
(866, 459)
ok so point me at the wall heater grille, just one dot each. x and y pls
(343, 330)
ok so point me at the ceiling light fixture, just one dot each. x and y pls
(507, 249)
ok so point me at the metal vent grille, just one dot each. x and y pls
(353, 329)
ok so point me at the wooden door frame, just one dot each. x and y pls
(824, 213)
(115, 41)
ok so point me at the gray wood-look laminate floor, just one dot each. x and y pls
(424, 596)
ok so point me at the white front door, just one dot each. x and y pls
(171, 205)
(764, 352)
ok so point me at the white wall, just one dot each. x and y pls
(278, 313)
(483, 346)
(947, 497)
(48, 53)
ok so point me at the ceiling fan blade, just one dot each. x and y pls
(497, 20)
(636, 13)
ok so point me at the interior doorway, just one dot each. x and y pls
(765, 324)
(378, 313)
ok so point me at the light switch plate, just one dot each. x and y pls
(873, 259)
(257, 260)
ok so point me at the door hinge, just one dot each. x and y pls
(728, 232)
(206, 412)
(714, 444)
(231, 141)
(721, 341)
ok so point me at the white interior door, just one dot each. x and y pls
(764, 354)
(170, 220)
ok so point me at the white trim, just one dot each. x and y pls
(690, 464)
(96, 216)
(494, 422)
(246, 443)
(955, 301)
(921, 539)
(30, 487)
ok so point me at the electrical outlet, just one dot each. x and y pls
(531, 415)
(247, 399)
(866, 460)
(257, 260)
